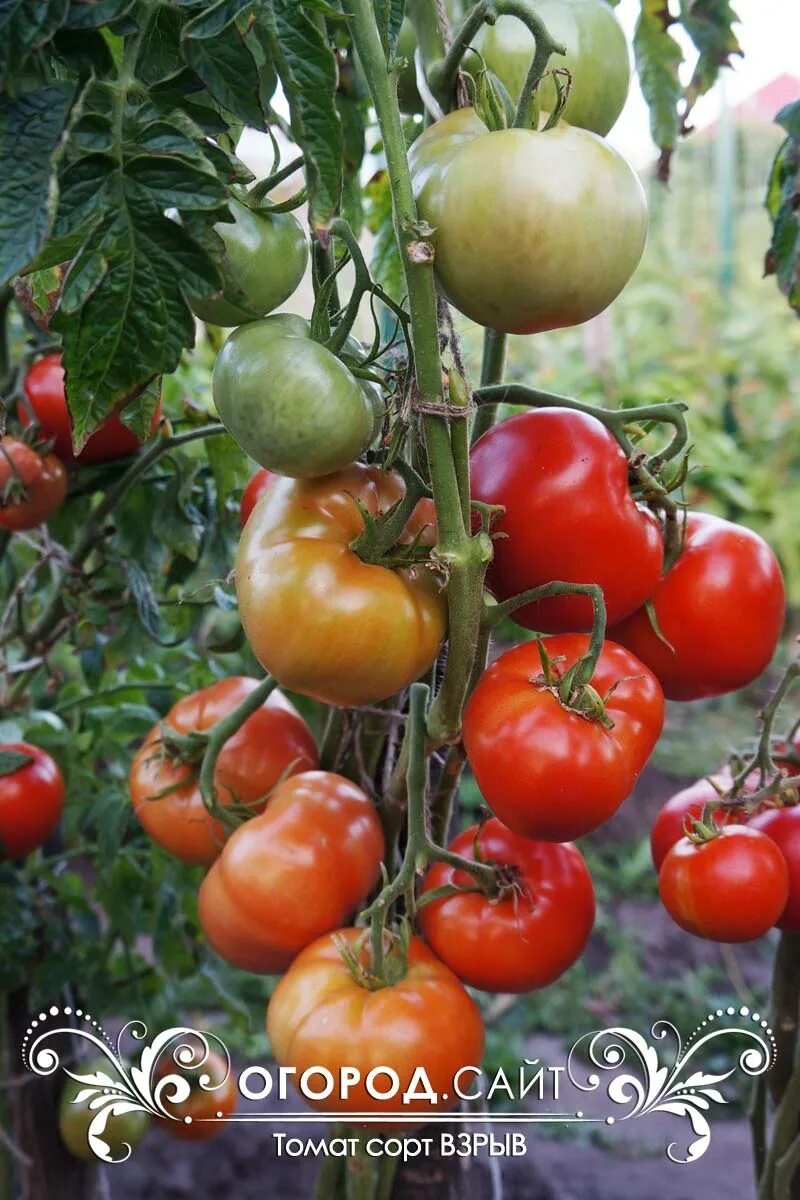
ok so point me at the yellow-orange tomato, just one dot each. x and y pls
(32, 486)
(166, 795)
(198, 1115)
(295, 872)
(320, 620)
(319, 1016)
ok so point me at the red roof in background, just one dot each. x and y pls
(769, 100)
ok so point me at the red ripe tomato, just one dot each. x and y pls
(272, 742)
(319, 1016)
(253, 493)
(298, 870)
(545, 770)
(529, 935)
(782, 826)
(200, 1117)
(569, 515)
(720, 607)
(31, 799)
(44, 388)
(32, 486)
(730, 889)
(672, 821)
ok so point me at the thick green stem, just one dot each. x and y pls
(493, 365)
(545, 46)
(424, 17)
(221, 732)
(462, 557)
(443, 77)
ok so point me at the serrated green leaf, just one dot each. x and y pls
(137, 415)
(25, 25)
(31, 130)
(212, 19)
(228, 69)
(143, 597)
(92, 16)
(160, 56)
(783, 190)
(658, 57)
(709, 24)
(389, 15)
(307, 70)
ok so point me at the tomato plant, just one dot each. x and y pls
(555, 471)
(265, 258)
(295, 872)
(290, 403)
(32, 486)
(490, 257)
(31, 798)
(719, 609)
(165, 791)
(543, 768)
(597, 57)
(47, 405)
(527, 935)
(323, 621)
(321, 1015)
(732, 888)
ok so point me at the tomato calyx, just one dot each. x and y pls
(378, 544)
(572, 690)
(359, 958)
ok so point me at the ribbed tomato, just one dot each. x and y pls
(545, 770)
(166, 798)
(528, 935)
(298, 870)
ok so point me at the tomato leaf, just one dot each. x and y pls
(783, 205)
(143, 597)
(25, 25)
(228, 69)
(658, 57)
(12, 761)
(160, 56)
(31, 132)
(212, 19)
(389, 14)
(138, 413)
(709, 24)
(307, 70)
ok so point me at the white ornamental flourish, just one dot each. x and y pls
(147, 1087)
(673, 1087)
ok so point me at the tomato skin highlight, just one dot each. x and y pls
(597, 57)
(569, 515)
(264, 259)
(319, 1016)
(730, 889)
(31, 802)
(272, 740)
(44, 388)
(201, 1105)
(782, 826)
(290, 403)
(672, 819)
(43, 479)
(522, 942)
(547, 772)
(490, 197)
(320, 620)
(721, 606)
(253, 493)
(298, 870)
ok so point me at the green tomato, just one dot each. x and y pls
(532, 230)
(291, 404)
(264, 259)
(74, 1119)
(597, 57)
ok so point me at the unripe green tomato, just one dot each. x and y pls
(264, 260)
(291, 404)
(531, 230)
(74, 1119)
(597, 58)
(220, 632)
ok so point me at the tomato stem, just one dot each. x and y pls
(220, 733)
(545, 47)
(492, 367)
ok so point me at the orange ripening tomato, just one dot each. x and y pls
(200, 1116)
(319, 1016)
(44, 388)
(732, 888)
(32, 485)
(720, 607)
(31, 798)
(273, 741)
(320, 620)
(528, 935)
(545, 770)
(298, 870)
